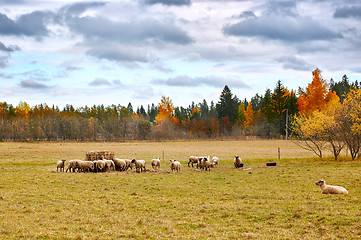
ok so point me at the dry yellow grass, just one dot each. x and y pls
(259, 203)
(43, 152)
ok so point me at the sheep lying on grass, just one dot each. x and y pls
(175, 165)
(139, 165)
(60, 164)
(155, 163)
(329, 189)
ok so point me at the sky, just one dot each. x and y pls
(89, 53)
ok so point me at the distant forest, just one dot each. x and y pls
(269, 115)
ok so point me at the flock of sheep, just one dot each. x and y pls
(203, 163)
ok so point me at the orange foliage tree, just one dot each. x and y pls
(316, 95)
(249, 116)
(166, 109)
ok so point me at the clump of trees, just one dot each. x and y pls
(329, 117)
(312, 116)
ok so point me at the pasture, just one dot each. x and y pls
(280, 202)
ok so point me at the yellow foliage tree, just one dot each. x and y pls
(23, 109)
(319, 127)
(249, 116)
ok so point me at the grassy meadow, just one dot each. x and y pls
(256, 202)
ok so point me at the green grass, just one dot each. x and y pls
(260, 203)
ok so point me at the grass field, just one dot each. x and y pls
(280, 202)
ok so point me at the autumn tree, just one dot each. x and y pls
(249, 116)
(165, 121)
(241, 113)
(316, 95)
(350, 120)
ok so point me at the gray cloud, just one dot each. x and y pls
(148, 30)
(285, 28)
(100, 82)
(116, 52)
(32, 24)
(213, 81)
(11, 2)
(247, 14)
(294, 63)
(5, 53)
(168, 2)
(32, 84)
(348, 12)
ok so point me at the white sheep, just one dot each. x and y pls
(120, 164)
(329, 189)
(204, 163)
(139, 165)
(129, 164)
(109, 165)
(175, 165)
(193, 159)
(99, 166)
(73, 165)
(85, 166)
(215, 161)
(60, 164)
(155, 163)
(237, 162)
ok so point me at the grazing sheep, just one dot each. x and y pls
(155, 163)
(175, 165)
(73, 165)
(193, 159)
(60, 164)
(109, 165)
(215, 161)
(129, 164)
(99, 166)
(120, 164)
(329, 189)
(237, 162)
(139, 165)
(86, 166)
(204, 163)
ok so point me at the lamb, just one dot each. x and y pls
(215, 161)
(175, 165)
(139, 165)
(329, 189)
(237, 161)
(193, 159)
(120, 164)
(60, 164)
(155, 163)
(73, 165)
(86, 166)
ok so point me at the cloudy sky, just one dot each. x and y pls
(114, 52)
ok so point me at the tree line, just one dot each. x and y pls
(271, 115)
